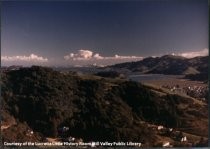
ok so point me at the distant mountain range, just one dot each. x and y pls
(167, 64)
(194, 68)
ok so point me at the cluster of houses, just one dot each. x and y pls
(195, 91)
(29, 133)
(173, 134)
(63, 133)
(176, 135)
(173, 88)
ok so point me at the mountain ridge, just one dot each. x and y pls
(167, 64)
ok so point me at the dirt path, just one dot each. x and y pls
(5, 126)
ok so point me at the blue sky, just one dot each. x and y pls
(102, 32)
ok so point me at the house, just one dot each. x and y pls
(170, 129)
(63, 129)
(166, 144)
(29, 133)
(71, 139)
(184, 139)
(160, 127)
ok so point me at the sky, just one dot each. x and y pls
(63, 33)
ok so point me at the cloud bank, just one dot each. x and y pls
(30, 58)
(204, 52)
(89, 55)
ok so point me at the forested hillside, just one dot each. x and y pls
(94, 108)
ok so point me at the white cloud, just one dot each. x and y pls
(30, 58)
(203, 52)
(89, 55)
(97, 56)
(127, 57)
(85, 54)
(80, 55)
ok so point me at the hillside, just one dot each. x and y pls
(94, 108)
(170, 65)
